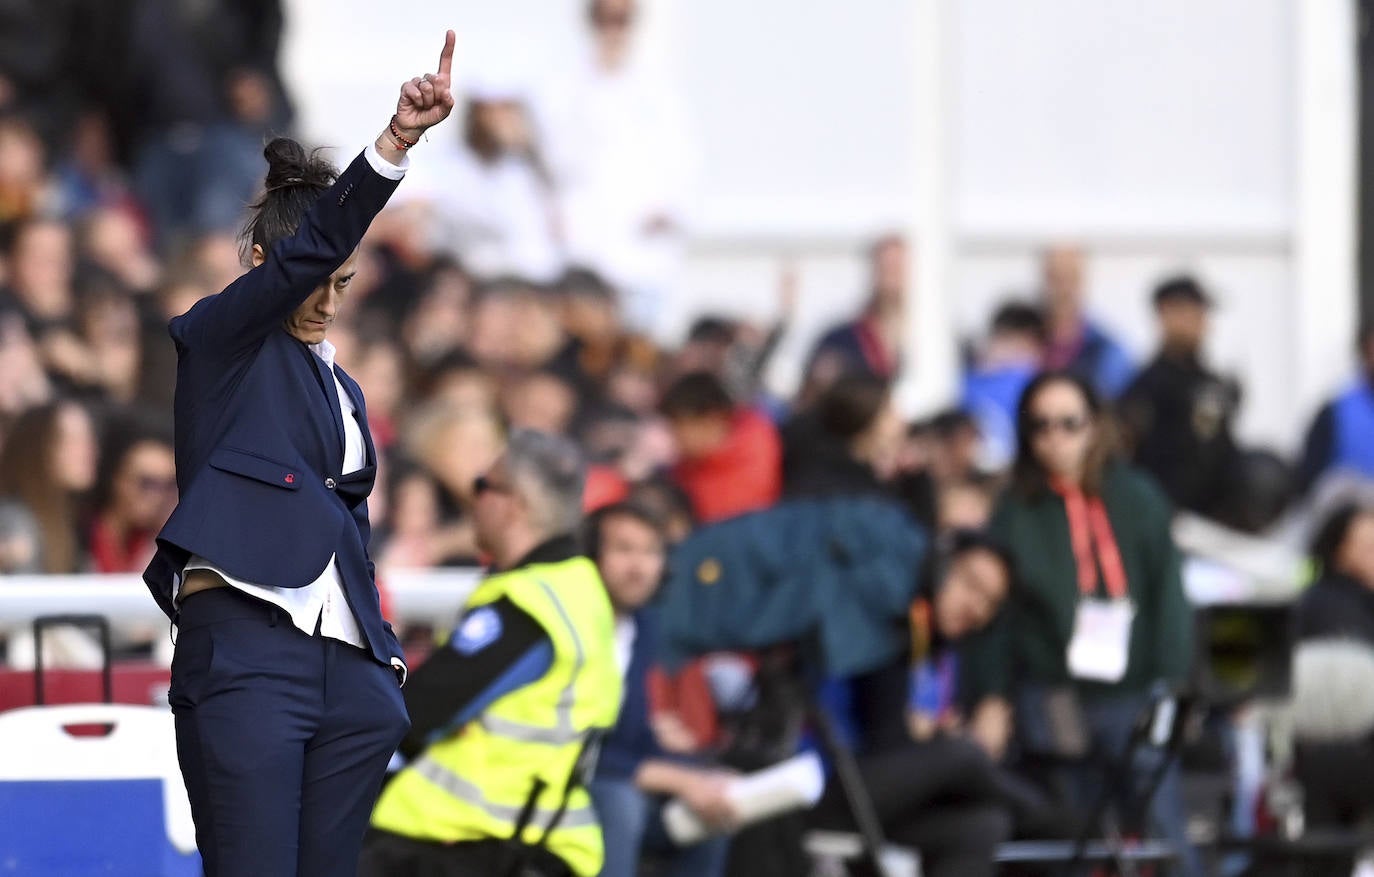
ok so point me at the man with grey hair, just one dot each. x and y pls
(504, 715)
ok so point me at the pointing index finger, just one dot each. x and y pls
(446, 56)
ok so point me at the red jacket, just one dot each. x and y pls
(743, 475)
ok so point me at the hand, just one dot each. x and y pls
(707, 795)
(427, 100)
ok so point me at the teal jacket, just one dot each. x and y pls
(1029, 642)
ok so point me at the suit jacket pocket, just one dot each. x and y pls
(257, 467)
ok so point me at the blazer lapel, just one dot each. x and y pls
(331, 395)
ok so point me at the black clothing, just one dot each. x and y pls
(1336, 606)
(385, 854)
(1180, 414)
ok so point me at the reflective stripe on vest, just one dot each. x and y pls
(469, 793)
(563, 731)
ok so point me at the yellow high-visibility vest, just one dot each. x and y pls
(475, 783)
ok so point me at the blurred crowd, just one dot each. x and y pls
(518, 281)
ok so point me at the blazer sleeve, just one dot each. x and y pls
(258, 302)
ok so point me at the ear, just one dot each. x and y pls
(258, 255)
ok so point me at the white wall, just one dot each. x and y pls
(1214, 137)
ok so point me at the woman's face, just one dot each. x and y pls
(145, 489)
(1062, 429)
(74, 450)
(973, 590)
(1356, 555)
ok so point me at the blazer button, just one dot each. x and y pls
(330, 483)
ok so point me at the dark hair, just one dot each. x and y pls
(1027, 473)
(956, 544)
(664, 499)
(595, 524)
(712, 330)
(851, 404)
(696, 394)
(26, 475)
(121, 436)
(584, 282)
(1019, 318)
(946, 424)
(961, 542)
(295, 179)
(1331, 535)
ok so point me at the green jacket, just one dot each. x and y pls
(1030, 640)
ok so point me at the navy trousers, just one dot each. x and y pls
(283, 738)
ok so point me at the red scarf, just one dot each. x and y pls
(1094, 544)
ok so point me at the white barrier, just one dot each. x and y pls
(416, 595)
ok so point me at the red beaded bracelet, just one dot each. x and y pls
(401, 141)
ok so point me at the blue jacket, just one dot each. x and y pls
(835, 574)
(632, 740)
(259, 439)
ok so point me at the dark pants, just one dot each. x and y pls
(632, 824)
(391, 855)
(1110, 724)
(283, 738)
(1338, 792)
(941, 797)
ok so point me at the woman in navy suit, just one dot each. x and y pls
(286, 679)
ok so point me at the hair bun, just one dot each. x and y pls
(288, 164)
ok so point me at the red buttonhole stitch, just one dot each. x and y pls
(290, 479)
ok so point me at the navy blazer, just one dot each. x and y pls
(259, 439)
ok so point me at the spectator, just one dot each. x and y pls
(1100, 619)
(437, 322)
(542, 401)
(135, 491)
(514, 327)
(454, 445)
(413, 535)
(47, 463)
(111, 239)
(729, 458)
(40, 288)
(1178, 413)
(1012, 355)
(1076, 343)
(634, 776)
(623, 166)
(847, 444)
(378, 365)
(109, 329)
(1341, 436)
(1334, 756)
(591, 318)
(669, 504)
(932, 788)
(22, 178)
(458, 382)
(872, 343)
(491, 195)
(25, 383)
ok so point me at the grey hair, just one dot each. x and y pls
(549, 473)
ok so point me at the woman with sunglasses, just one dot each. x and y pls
(1100, 624)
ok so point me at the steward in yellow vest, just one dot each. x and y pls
(506, 715)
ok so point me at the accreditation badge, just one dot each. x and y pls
(1100, 648)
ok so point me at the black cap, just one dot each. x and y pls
(1183, 288)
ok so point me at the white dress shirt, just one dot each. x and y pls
(322, 604)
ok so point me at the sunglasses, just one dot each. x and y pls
(153, 484)
(482, 484)
(1070, 425)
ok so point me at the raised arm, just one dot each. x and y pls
(287, 270)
